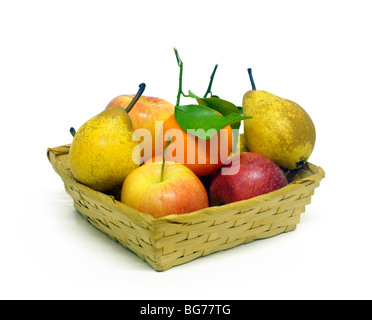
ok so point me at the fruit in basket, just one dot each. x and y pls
(180, 192)
(164, 188)
(201, 156)
(103, 152)
(279, 129)
(248, 176)
(203, 132)
(145, 112)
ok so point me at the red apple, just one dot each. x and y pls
(245, 177)
(179, 192)
(145, 112)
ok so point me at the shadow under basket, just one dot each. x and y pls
(176, 239)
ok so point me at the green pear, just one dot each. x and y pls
(280, 129)
(103, 151)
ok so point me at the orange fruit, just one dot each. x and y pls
(201, 156)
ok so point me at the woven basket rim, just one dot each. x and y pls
(318, 174)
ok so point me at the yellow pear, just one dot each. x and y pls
(103, 151)
(280, 129)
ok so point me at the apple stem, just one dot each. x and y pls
(72, 131)
(169, 140)
(251, 79)
(141, 89)
(211, 81)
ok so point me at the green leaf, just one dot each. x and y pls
(222, 106)
(193, 95)
(196, 117)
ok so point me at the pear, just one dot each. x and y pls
(280, 129)
(104, 151)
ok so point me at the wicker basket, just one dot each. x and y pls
(176, 239)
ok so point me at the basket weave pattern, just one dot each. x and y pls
(176, 239)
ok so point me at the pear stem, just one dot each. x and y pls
(211, 81)
(169, 140)
(72, 131)
(251, 79)
(141, 89)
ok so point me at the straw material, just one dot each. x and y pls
(176, 239)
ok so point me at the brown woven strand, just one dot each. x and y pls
(176, 239)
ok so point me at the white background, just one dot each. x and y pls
(63, 61)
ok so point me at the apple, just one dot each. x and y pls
(177, 191)
(145, 112)
(253, 175)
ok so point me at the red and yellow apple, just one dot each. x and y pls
(179, 192)
(145, 112)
